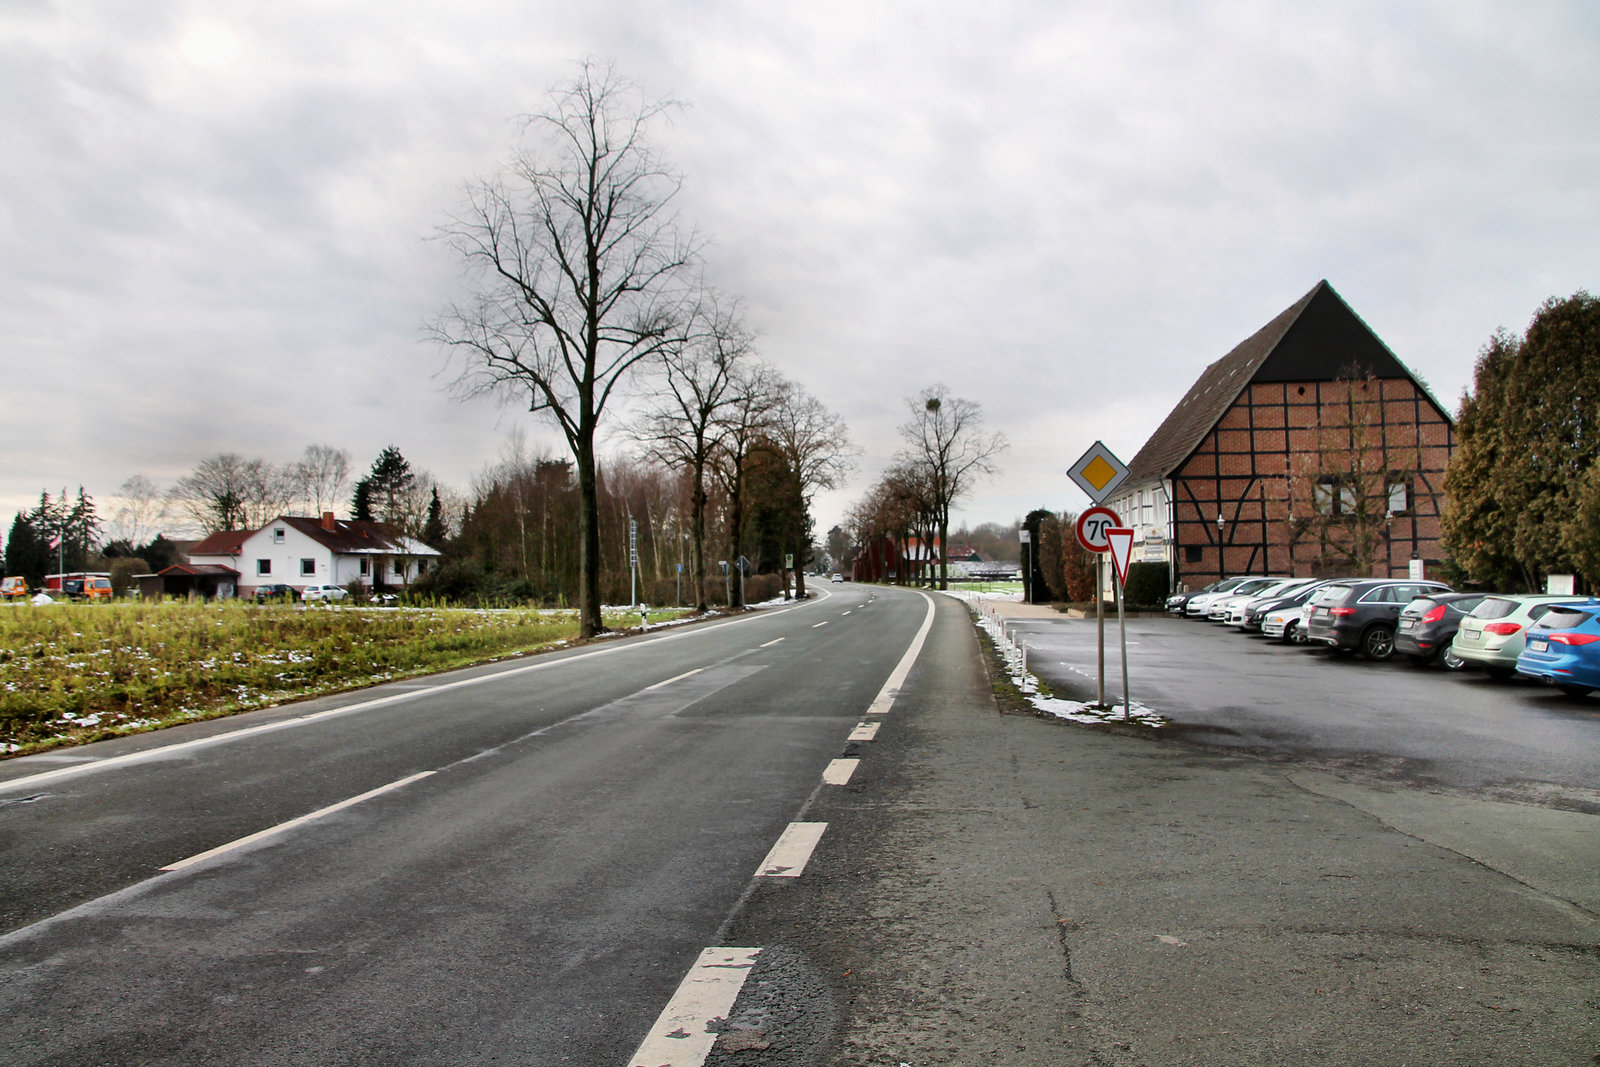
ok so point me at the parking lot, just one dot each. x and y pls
(1427, 728)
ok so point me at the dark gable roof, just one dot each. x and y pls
(221, 543)
(1318, 338)
(348, 536)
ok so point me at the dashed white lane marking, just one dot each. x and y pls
(683, 1034)
(864, 731)
(846, 613)
(839, 771)
(769, 644)
(793, 850)
(824, 622)
(292, 823)
(885, 699)
(677, 678)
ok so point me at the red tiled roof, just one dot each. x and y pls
(221, 543)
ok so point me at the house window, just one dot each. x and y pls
(308, 568)
(278, 535)
(399, 568)
(366, 566)
(1399, 497)
(263, 566)
(1191, 553)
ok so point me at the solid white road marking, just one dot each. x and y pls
(683, 1034)
(839, 771)
(292, 823)
(793, 850)
(864, 731)
(769, 644)
(885, 699)
(678, 678)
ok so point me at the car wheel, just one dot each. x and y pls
(1377, 643)
(1499, 674)
(1452, 661)
(1292, 634)
(1574, 690)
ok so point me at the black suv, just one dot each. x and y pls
(1362, 613)
(276, 592)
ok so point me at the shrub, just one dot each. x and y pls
(1147, 585)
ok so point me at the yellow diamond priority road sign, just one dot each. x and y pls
(1098, 472)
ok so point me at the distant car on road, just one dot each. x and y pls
(274, 591)
(837, 577)
(1563, 648)
(323, 592)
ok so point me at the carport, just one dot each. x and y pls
(202, 581)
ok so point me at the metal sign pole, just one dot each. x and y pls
(1100, 624)
(1122, 625)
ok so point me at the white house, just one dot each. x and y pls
(298, 551)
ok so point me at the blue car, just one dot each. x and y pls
(1563, 648)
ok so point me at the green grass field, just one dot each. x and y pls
(71, 673)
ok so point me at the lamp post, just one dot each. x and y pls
(1222, 567)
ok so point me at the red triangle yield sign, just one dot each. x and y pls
(1120, 540)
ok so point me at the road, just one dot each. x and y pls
(1391, 721)
(512, 864)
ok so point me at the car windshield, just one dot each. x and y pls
(1494, 607)
(1565, 618)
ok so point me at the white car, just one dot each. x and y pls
(335, 593)
(1286, 624)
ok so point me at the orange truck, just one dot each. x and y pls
(79, 585)
(13, 588)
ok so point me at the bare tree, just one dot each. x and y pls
(321, 476)
(580, 270)
(228, 492)
(816, 444)
(758, 390)
(141, 509)
(686, 425)
(945, 438)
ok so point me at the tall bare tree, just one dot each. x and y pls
(228, 492)
(816, 445)
(141, 509)
(321, 475)
(758, 390)
(686, 424)
(581, 274)
(945, 438)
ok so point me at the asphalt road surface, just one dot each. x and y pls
(1429, 727)
(512, 864)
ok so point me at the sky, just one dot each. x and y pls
(218, 219)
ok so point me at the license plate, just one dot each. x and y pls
(1408, 624)
(1538, 644)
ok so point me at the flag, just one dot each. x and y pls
(55, 542)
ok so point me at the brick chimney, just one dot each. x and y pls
(328, 522)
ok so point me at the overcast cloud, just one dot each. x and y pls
(215, 216)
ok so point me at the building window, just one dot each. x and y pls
(366, 566)
(263, 566)
(308, 568)
(1191, 553)
(399, 568)
(278, 535)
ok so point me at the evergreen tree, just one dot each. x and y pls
(361, 501)
(25, 551)
(433, 531)
(388, 484)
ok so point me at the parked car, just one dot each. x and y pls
(1287, 624)
(1218, 607)
(274, 591)
(1291, 606)
(1428, 625)
(1492, 634)
(1198, 604)
(1178, 601)
(323, 592)
(1362, 614)
(1238, 606)
(1563, 648)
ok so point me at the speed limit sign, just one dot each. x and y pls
(1092, 527)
